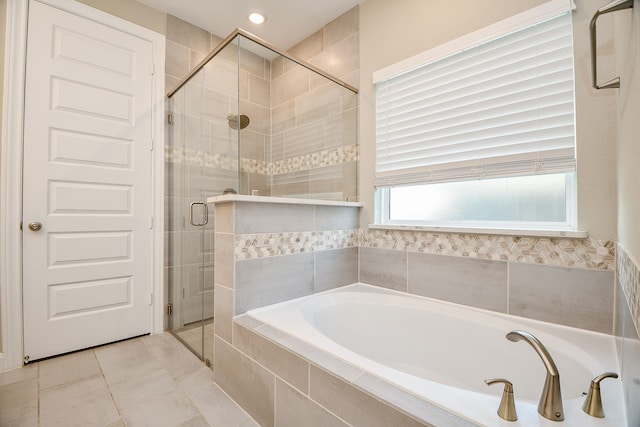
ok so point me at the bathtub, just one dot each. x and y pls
(442, 352)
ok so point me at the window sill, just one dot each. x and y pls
(566, 234)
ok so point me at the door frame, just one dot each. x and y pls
(11, 169)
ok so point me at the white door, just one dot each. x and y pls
(87, 180)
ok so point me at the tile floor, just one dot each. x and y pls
(147, 381)
(192, 336)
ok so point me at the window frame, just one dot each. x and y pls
(382, 193)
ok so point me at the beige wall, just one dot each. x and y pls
(628, 62)
(3, 19)
(132, 11)
(390, 32)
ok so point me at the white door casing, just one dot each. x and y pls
(88, 138)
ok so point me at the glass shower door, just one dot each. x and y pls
(202, 162)
(190, 253)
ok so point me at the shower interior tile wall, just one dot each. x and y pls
(314, 122)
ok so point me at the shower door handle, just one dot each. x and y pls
(205, 214)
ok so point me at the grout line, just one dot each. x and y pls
(38, 420)
(113, 399)
(508, 287)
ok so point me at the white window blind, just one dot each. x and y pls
(502, 108)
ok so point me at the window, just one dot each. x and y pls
(484, 136)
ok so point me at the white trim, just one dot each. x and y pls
(11, 168)
(540, 13)
(286, 200)
(567, 234)
(11, 186)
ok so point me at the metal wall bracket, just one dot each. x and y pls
(611, 7)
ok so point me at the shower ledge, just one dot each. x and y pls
(284, 200)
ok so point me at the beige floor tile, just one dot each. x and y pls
(198, 421)
(19, 374)
(150, 381)
(82, 403)
(193, 338)
(125, 360)
(153, 400)
(19, 403)
(213, 403)
(68, 368)
(172, 355)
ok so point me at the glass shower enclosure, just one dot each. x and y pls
(248, 120)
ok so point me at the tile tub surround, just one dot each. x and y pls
(285, 382)
(310, 239)
(569, 296)
(270, 250)
(627, 331)
(520, 275)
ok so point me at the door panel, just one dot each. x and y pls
(87, 179)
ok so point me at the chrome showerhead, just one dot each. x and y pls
(238, 122)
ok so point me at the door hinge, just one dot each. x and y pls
(170, 118)
(151, 298)
(153, 142)
(153, 68)
(169, 309)
(151, 223)
(20, 225)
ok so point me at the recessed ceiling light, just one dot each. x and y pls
(257, 18)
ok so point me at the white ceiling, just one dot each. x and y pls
(288, 21)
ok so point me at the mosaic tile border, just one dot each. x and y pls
(318, 159)
(628, 273)
(191, 157)
(332, 157)
(262, 245)
(574, 253)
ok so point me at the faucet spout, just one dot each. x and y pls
(550, 405)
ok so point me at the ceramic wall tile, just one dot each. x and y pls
(336, 268)
(342, 27)
(266, 281)
(568, 296)
(294, 409)
(246, 382)
(474, 282)
(382, 267)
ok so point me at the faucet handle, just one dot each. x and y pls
(507, 408)
(593, 402)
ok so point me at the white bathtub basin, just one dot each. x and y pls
(443, 352)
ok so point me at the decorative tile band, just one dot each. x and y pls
(576, 253)
(189, 156)
(333, 157)
(262, 245)
(629, 278)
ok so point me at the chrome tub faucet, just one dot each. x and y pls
(550, 405)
